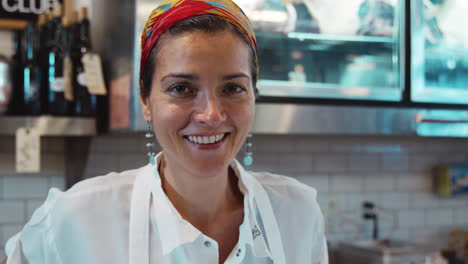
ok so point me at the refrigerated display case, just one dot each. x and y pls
(326, 67)
(329, 48)
(439, 51)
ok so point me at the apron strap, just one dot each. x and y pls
(139, 222)
(275, 243)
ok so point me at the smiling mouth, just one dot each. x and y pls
(206, 140)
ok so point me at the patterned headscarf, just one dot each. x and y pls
(171, 11)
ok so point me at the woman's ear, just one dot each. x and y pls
(145, 108)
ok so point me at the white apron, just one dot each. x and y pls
(140, 221)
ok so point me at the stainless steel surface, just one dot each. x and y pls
(327, 90)
(113, 38)
(350, 120)
(50, 126)
(402, 51)
(357, 38)
(143, 10)
(117, 27)
(384, 252)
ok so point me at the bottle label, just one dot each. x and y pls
(81, 79)
(37, 79)
(67, 78)
(28, 150)
(58, 85)
(94, 74)
(34, 92)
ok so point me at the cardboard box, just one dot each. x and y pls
(451, 180)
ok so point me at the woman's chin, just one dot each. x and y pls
(209, 167)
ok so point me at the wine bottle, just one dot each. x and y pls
(50, 28)
(85, 102)
(57, 103)
(42, 39)
(16, 105)
(32, 95)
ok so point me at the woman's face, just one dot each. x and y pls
(202, 100)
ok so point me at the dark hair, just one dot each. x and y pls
(205, 23)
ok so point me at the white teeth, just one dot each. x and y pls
(205, 140)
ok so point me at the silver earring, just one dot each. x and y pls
(248, 160)
(150, 144)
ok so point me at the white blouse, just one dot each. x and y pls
(127, 218)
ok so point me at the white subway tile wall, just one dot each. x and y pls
(395, 200)
(392, 172)
(363, 162)
(395, 162)
(439, 217)
(24, 187)
(31, 206)
(410, 218)
(460, 216)
(351, 182)
(354, 201)
(12, 212)
(331, 163)
(385, 183)
(413, 182)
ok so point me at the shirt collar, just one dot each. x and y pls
(175, 231)
(253, 230)
(172, 229)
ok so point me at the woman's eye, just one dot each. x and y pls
(235, 89)
(180, 89)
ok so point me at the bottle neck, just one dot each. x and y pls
(58, 28)
(29, 43)
(42, 38)
(85, 37)
(17, 44)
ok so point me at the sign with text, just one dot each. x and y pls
(28, 150)
(24, 9)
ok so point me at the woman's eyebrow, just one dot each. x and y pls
(181, 75)
(235, 75)
(193, 77)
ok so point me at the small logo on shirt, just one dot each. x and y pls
(256, 232)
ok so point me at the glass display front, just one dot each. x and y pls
(440, 51)
(329, 48)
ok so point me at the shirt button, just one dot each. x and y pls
(207, 244)
(238, 252)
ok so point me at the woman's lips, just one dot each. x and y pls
(203, 142)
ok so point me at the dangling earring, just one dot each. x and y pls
(150, 144)
(248, 160)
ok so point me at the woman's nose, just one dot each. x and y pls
(210, 111)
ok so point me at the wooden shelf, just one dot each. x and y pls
(13, 23)
(50, 125)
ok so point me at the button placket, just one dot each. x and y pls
(238, 252)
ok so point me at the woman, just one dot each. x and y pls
(193, 203)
